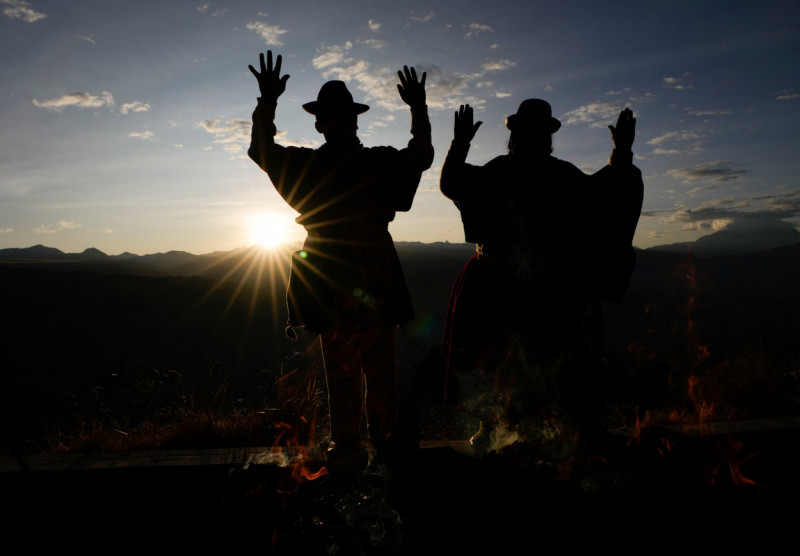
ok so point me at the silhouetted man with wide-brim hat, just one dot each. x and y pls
(346, 283)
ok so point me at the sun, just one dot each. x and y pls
(270, 229)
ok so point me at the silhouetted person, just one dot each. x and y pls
(525, 312)
(346, 283)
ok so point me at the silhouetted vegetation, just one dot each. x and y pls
(97, 359)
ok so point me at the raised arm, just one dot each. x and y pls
(463, 132)
(412, 91)
(271, 85)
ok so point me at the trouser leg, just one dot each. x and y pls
(345, 389)
(381, 397)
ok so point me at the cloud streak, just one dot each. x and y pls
(79, 100)
(20, 9)
(677, 142)
(717, 171)
(270, 33)
(59, 226)
(444, 89)
(595, 114)
(766, 210)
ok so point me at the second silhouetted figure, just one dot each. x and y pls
(551, 242)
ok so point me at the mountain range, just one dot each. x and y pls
(130, 333)
(739, 238)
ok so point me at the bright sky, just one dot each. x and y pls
(124, 125)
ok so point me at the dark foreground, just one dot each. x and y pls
(668, 492)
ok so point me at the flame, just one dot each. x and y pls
(295, 444)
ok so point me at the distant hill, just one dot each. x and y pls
(106, 333)
(746, 236)
(738, 298)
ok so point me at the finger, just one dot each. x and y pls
(278, 63)
(261, 59)
(402, 78)
(414, 74)
(269, 60)
(424, 76)
(253, 71)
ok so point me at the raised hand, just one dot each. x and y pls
(624, 132)
(270, 82)
(463, 129)
(412, 91)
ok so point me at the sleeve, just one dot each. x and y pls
(466, 185)
(262, 134)
(415, 159)
(283, 165)
(421, 144)
(618, 194)
(459, 180)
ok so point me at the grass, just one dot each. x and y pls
(191, 431)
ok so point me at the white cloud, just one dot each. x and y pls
(283, 138)
(446, 90)
(80, 99)
(135, 106)
(235, 131)
(377, 44)
(704, 113)
(270, 33)
(717, 171)
(423, 16)
(787, 95)
(677, 142)
(6, 230)
(59, 226)
(596, 114)
(105, 231)
(204, 8)
(20, 9)
(374, 26)
(475, 29)
(88, 38)
(497, 65)
(679, 83)
(141, 135)
(332, 55)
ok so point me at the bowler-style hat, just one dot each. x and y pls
(533, 113)
(334, 96)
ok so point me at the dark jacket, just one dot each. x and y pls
(347, 195)
(547, 219)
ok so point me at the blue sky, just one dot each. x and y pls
(124, 125)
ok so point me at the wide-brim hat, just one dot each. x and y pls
(533, 113)
(334, 97)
